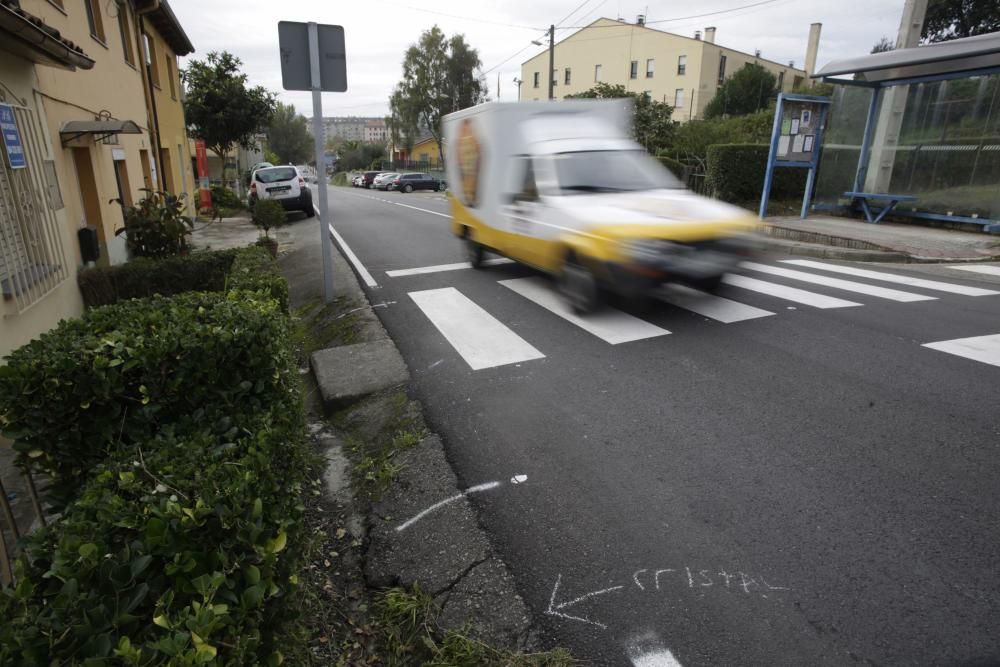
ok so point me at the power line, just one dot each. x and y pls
(683, 18)
(572, 12)
(471, 18)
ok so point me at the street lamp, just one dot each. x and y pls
(518, 82)
(552, 56)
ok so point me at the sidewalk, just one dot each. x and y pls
(914, 243)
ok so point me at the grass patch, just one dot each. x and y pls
(407, 623)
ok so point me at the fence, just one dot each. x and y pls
(19, 515)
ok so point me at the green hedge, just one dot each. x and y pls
(113, 378)
(675, 166)
(254, 270)
(185, 556)
(142, 277)
(735, 173)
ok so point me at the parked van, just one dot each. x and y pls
(563, 187)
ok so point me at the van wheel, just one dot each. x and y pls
(474, 252)
(578, 286)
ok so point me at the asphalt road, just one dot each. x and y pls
(782, 484)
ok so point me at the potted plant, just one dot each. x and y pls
(267, 215)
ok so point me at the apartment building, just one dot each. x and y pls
(354, 128)
(88, 117)
(684, 72)
(375, 131)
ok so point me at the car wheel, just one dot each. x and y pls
(578, 286)
(408, 188)
(474, 252)
(441, 187)
(371, 186)
(310, 212)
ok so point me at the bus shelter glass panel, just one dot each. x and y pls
(845, 128)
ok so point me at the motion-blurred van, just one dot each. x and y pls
(563, 187)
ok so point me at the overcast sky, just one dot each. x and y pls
(379, 31)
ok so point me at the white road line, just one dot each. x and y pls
(788, 293)
(610, 325)
(358, 266)
(837, 283)
(399, 273)
(978, 348)
(472, 489)
(481, 339)
(662, 658)
(987, 270)
(425, 210)
(892, 278)
(712, 307)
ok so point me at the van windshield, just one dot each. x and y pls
(611, 171)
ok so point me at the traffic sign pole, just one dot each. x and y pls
(321, 181)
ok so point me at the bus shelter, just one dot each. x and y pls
(915, 132)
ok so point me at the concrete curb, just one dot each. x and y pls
(349, 373)
(831, 252)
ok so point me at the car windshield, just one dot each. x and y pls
(276, 174)
(610, 171)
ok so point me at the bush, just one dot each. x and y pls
(675, 167)
(142, 277)
(735, 173)
(157, 226)
(112, 379)
(254, 270)
(340, 178)
(269, 214)
(223, 197)
(182, 552)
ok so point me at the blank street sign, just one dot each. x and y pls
(293, 40)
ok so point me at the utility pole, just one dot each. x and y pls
(498, 86)
(552, 62)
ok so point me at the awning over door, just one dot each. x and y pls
(99, 129)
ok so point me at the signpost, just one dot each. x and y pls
(795, 141)
(313, 58)
(12, 138)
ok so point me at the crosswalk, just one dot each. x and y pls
(483, 341)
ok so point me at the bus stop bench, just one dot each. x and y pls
(892, 200)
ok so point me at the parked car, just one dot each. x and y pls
(284, 185)
(384, 181)
(356, 181)
(411, 182)
(368, 179)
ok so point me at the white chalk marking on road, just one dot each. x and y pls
(635, 578)
(610, 325)
(986, 270)
(518, 479)
(662, 658)
(358, 266)
(716, 308)
(656, 577)
(837, 283)
(425, 210)
(978, 348)
(893, 278)
(457, 266)
(436, 506)
(788, 293)
(481, 339)
(553, 609)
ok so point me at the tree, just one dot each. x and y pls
(883, 45)
(951, 19)
(288, 136)
(652, 122)
(748, 90)
(439, 77)
(219, 106)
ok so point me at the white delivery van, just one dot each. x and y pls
(563, 187)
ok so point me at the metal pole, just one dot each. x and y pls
(765, 196)
(324, 233)
(811, 180)
(552, 62)
(866, 140)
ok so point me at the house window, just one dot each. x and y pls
(127, 50)
(567, 79)
(536, 80)
(679, 98)
(93, 8)
(682, 64)
(31, 254)
(781, 80)
(722, 69)
(633, 69)
(171, 76)
(151, 65)
(597, 72)
(649, 67)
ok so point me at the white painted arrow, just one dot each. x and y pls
(554, 608)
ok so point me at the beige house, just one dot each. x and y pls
(80, 118)
(684, 72)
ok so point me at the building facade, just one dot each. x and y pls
(354, 128)
(81, 131)
(685, 72)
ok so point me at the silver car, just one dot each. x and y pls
(384, 181)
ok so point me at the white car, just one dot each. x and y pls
(384, 181)
(284, 185)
